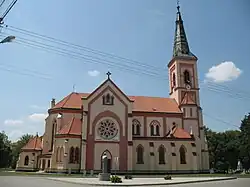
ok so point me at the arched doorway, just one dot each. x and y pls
(107, 152)
(43, 164)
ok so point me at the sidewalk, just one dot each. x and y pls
(142, 181)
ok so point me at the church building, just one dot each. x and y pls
(137, 133)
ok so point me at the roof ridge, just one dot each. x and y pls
(67, 98)
(35, 141)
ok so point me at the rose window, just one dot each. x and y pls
(107, 129)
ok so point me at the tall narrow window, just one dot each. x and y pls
(182, 155)
(26, 161)
(71, 155)
(191, 112)
(152, 130)
(136, 127)
(155, 128)
(77, 155)
(186, 77)
(140, 151)
(61, 154)
(58, 154)
(174, 80)
(107, 99)
(184, 112)
(161, 152)
(54, 126)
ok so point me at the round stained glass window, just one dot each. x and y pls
(107, 129)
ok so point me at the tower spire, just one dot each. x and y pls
(181, 47)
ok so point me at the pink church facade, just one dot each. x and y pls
(138, 133)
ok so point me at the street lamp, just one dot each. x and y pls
(7, 39)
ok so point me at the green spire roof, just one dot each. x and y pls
(181, 48)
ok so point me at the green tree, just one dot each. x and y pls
(16, 148)
(5, 150)
(223, 149)
(245, 142)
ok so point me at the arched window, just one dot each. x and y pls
(161, 152)
(71, 155)
(108, 99)
(140, 151)
(186, 77)
(77, 155)
(136, 127)
(182, 155)
(26, 161)
(174, 80)
(58, 154)
(155, 128)
(61, 154)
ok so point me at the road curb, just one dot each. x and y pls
(146, 184)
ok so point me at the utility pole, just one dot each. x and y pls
(7, 10)
(8, 38)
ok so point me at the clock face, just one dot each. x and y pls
(188, 87)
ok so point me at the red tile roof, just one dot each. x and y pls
(73, 100)
(140, 104)
(154, 104)
(73, 127)
(34, 143)
(178, 133)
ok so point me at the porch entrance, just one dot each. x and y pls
(107, 152)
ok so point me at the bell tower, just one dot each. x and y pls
(183, 75)
(184, 87)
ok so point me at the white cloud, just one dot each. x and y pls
(93, 73)
(223, 72)
(37, 117)
(13, 122)
(31, 124)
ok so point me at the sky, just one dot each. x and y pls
(139, 34)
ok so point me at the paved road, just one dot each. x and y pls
(14, 181)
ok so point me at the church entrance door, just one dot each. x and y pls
(109, 165)
(107, 152)
(43, 164)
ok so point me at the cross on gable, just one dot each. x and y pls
(108, 73)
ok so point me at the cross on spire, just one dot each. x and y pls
(178, 5)
(74, 88)
(108, 74)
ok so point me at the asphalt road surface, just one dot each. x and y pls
(14, 181)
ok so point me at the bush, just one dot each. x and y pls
(115, 179)
(167, 177)
(128, 177)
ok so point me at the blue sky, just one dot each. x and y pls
(141, 30)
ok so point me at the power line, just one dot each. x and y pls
(127, 60)
(80, 56)
(220, 120)
(77, 56)
(84, 48)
